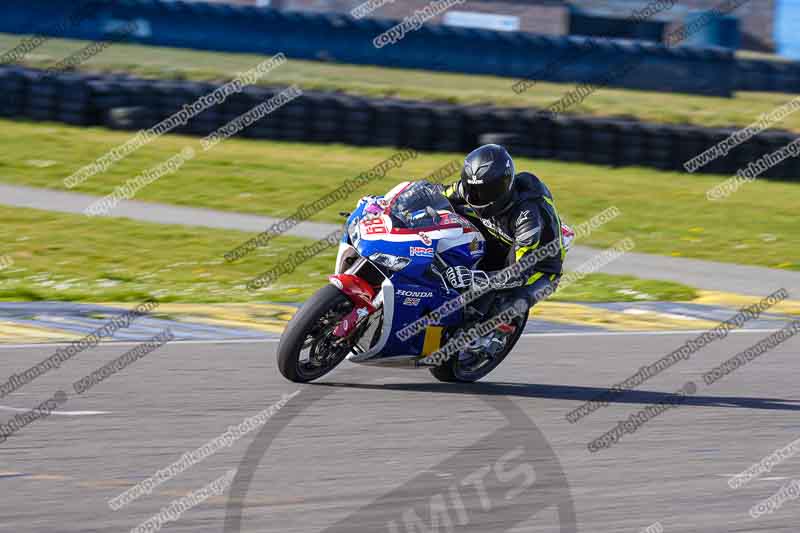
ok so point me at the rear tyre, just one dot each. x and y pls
(455, 371)
(311, 330)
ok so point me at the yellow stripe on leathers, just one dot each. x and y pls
(533, 279)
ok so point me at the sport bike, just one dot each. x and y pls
(390, 272)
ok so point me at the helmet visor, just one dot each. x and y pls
(483, 195)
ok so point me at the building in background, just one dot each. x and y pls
(548, 17)
(752, 26)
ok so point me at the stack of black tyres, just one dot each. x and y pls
(569, 143)
(632, 145)
(207, 120)
(43, 97)
(327, 121)
(357, 121)
(294, 119)
(540, 132)
(13, 93)
(269, 126)
(601, 137)
(448, 125)
(388, 123)
(659, 143)
(127, 103)
(74, 101)
(418, 127)
(477, 121)
(769, 142)
(720, 165)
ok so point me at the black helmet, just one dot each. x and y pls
(486, 179)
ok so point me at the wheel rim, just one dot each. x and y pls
(473, 366)
(482, 363)
(321, 350)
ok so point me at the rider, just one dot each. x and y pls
(516, 214)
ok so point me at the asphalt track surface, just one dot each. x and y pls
(365, 446)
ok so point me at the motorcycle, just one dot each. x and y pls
(389, 273)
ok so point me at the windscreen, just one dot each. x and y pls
(417, 206)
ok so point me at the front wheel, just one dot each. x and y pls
(308, 349)
(470, 367)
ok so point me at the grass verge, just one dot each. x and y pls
(663, 212)
(175, 63)
(75, 258)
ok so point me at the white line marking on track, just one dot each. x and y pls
(137, 343)
(773, 478)
(267, 341)
(653, 333)
(634, 311)
(58, 413)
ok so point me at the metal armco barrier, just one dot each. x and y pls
(123, 102)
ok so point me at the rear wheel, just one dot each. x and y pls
(308, 349)
(472, 366)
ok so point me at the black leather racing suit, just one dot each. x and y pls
(529, 223)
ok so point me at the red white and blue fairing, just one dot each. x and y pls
(408, 235)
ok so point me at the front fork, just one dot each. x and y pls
(361, 294)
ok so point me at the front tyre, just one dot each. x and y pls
(308, 349)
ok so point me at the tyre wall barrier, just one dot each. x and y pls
(124, 102)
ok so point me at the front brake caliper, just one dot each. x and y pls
(349, 322)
